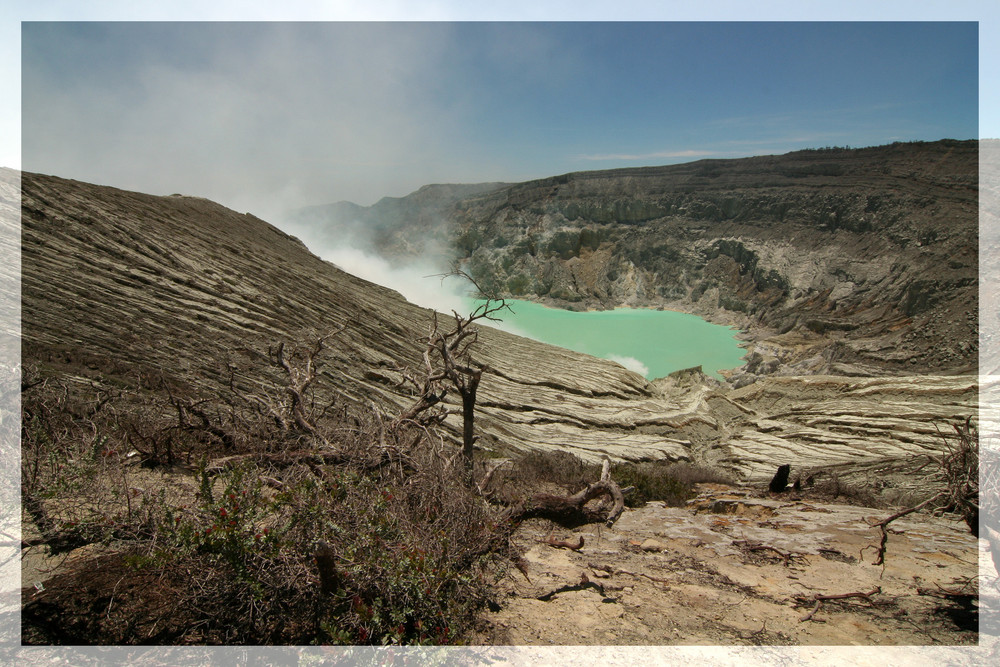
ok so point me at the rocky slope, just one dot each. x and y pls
(116, 284)
(861, 261)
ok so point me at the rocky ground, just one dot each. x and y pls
(735, 568)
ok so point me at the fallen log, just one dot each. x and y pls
(571, 510)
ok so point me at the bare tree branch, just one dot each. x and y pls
(448, 363)
(959, 477)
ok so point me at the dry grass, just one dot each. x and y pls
(554, 471)
(671, 483)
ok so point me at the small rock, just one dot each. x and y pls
(653, 545)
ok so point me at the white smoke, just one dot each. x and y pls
(419, 282)
(425, 281)
(630, 363)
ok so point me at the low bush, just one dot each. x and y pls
(671, 483)
(545, 471)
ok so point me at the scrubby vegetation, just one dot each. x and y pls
(256, 515)
(266, 512)
(670, 482)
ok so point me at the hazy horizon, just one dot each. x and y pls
(269, 117)
(266, 117)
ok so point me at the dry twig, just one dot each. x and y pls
(574, 545)
(819, 599)
(612, 571)
(750, 545)
(585, 582)
(959, 477)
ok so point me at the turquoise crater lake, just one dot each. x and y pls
(651, 342)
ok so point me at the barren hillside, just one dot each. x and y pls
(119, 284)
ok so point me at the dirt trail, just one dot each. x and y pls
(728, 569)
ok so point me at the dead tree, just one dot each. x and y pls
(296, 412)
(780, 480)
(448, 364)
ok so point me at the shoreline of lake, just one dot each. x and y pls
(652, 341)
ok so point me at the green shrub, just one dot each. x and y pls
(652, 481)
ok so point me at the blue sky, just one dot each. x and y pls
(266, 116)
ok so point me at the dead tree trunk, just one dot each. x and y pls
(326, 562)
(571, 510)
(468, 418)
(780, 480)
(447, 364)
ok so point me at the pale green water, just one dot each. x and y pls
(654, 343)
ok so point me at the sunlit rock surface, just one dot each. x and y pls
(842, 261)
(115, 283)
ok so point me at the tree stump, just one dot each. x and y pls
(326, 561)
(780, 480)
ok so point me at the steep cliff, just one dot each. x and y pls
(858, 261)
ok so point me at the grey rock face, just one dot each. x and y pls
(874, 250)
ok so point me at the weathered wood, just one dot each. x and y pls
(585, 582)
(819, 599)
(570, 510)
(574, 545)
